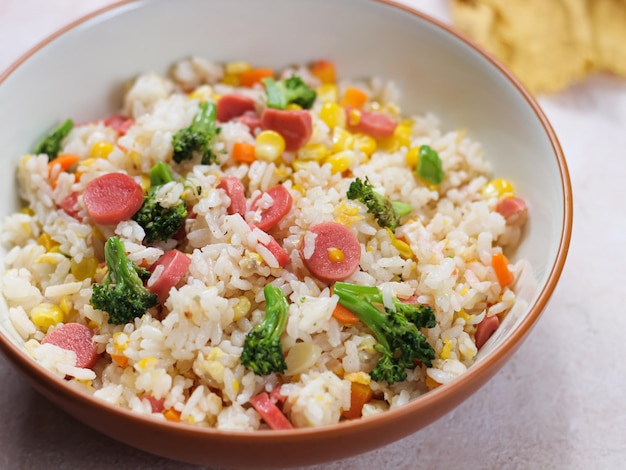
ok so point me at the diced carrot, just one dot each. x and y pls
(250, 77)
(344, 316)
(324, 71)
(360, 394)
(501, 267)
(354, 97)
(120, 359)
(243, 153)
(431, 383)
(65, 161)
(172, 415)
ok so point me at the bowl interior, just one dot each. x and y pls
(81, 73)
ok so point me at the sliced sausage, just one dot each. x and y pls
(514, 210)
(70, 205)
(235, 191)
(119, 123)
(282, 258)
(295, 126)
(250, 119)
(373, 123)
(324, 263)
(156, 404)
(112, 198)
(232, 106)
(75, 337)
(270, 413)
(167, 272)
(280, 207)
(485, 329)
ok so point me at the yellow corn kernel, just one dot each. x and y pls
(232, 80)
(46, 241)
(499, 188)
(86, 269)
(341, 161)
(463, 314)
(65, 305)
(145, 183)
(299, 188)
(358, 377)
(403, 248)
(269, 145)
(327, 93)
(94, 325)
(237, 68)
(354, 117)
(50, 258)
(191, 420)
(27, 211)
(120, 341)
(336, 255)
(342, 140)
(333, 115)
(412, 157)
(365, 143)
(135, 157)
(202, 93)
(446, 351)
(312, 152)
(401, 138)
(45, 315)
(236, 385)
(101, 149)
(241, 308)
(347, 214)
(293, 107)
(464, 290)
(146, 362)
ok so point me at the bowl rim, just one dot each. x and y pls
(479, 372)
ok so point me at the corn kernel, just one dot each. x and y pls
(341, 161)
(333, 115)
(27, 211)
(172, 415)
(354, 117)
(269, 145)
(499, 188)
(313, 152)
(65, 305)
(135, 157)
(293, 107)
(403, 248)
(412, 157)
(101, 149)
(45, 315)
(336, 255)
(231, 79)
(347, 214)
(299, 188)
(50, 258)
(463, 314)
(46, 241)
(86, 269)
(358, 377)
(365, 143)
(120, 341)
(446, 351)
(327, 93)
(202, 93)
(146, 363)
(342, 140)
(237, 68)
(236, 385)
(145, 183)
(241, 308)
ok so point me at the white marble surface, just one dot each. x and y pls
(558, 404)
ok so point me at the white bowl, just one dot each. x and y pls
(80, 71)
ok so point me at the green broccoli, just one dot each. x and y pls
(122, 294)
(400, 341)
(387, 213)
(262, 351)
(198, 137)
(51, 144)
(159, 222)
(429, 166)
(291, 90)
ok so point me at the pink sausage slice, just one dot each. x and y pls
(232, 106)
(70, 205)
(235, 191)
(373, 123)
(279, 209)
(295, 126)
(75, 337)
(250, 119)
(514, 210)
(270, 413)
(485, 329)
(119, 123)
(112, 198)
(332, 235)
(175, 265)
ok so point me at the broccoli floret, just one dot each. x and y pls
(291, 90)
(159, 222)
(51, 144)
(122, 294)
(262, 351)
(198, 137)
(387, 213)
(400, 341)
